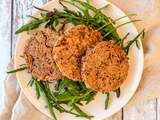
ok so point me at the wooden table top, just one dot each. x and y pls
(13, 15)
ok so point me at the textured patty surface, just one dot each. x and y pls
(105, 67)
(71, 46)
(38, 54)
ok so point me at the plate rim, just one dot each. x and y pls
(122, 105)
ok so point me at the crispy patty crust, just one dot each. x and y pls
(105, 67)
(38, 54)
(71, 46)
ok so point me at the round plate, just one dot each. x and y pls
(96, 107)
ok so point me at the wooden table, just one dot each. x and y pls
(13, 15)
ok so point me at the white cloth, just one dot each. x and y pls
(17, 107)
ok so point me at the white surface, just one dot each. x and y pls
(4, 44)
(127, 90)
(143, 8)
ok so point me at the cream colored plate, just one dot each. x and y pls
(96, 107)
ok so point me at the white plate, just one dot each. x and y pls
(96, 107)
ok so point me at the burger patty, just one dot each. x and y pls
(38, 54)
(71, 46)
(105, 67)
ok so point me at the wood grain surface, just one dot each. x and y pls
(13, 14)
(5, 41)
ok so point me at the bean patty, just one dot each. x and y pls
(38, 54)
(71, 46)
(105, 67)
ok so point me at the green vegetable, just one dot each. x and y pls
(17, 70)
(32, 25)
(31, 82)
(37, 88)
(70, 92)
(82, 114)
(113, 21)
(49, 105)
(40, 9)
(112, 30)
(126, 48)
(118, 92)
(67, 92)
(23, 65)
(121, 43)
(107, 101)
(104, 7)
(58, 19)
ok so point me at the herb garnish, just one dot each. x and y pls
(68, 92)
(58, 19)
(107, 101)
(97, 19)
(126, 48)
(73, 94)
(118, 92)
(17, 70)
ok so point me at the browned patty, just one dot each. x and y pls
(105, 67)
(38, 54)
(71, 46)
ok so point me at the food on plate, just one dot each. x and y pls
(38, 54)
(105, 67)
(88, 58)
(71, 46)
